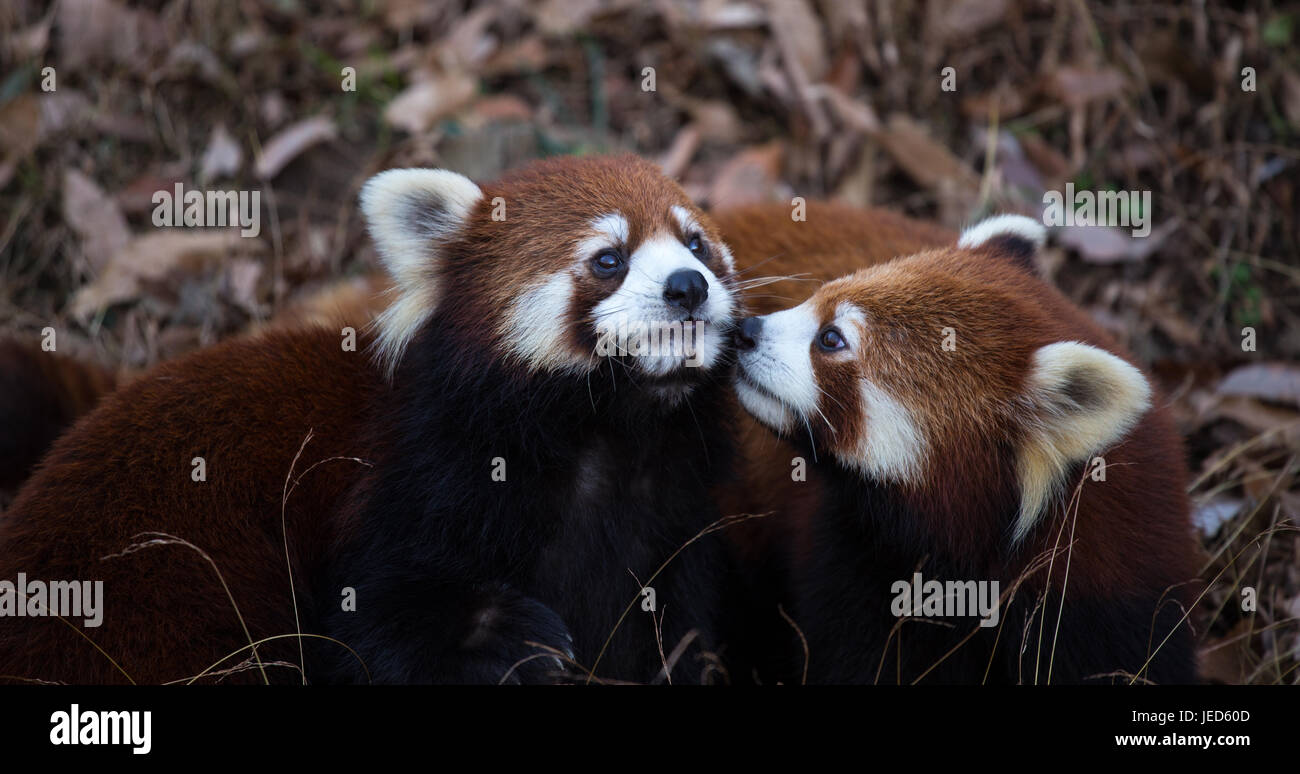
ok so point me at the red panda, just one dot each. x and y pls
(959, 408)
(506, 473)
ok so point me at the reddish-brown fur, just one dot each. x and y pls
(833, 240)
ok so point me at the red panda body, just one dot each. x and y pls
(953, 403)
(492, 481)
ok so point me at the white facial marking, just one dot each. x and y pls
(689, 225)
(1002, 225)
(684, 218)
(776, 382)
(851, 321)
(612, 230)
(530, 329)
(892, 448)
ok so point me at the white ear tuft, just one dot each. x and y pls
(1084, 400)
(1027, 234)
(412, 213)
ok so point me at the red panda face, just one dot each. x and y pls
(558, 267)
(938, 353)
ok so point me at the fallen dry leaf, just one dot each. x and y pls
(1274, 382)
(137, 196)
(1291, 97)
(240, 280)
(288, 144)
(1260, 418)
(853, 113)
(1106, 244)
(801, 31)
(1227, 659)
(222, 157)
(1077, 87)
(1006, 101)
(20, 120)
(501, 107)
(748, 177)
(1208, 517)
(31, 42)
(63, 110)
(678, 157)
(152, 258)
(560, 18)
(924, 160)
(95, 217)
(99, 32)
(965, 18)
(425, 102)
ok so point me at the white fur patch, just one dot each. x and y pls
(892, 448)
(764, 407)
(851, 322)
(684, 218)
(689, 225)
(411, 214)
(531, 327)
(1084, 400)
(776, 383)
(1004, 225)
(612, 229)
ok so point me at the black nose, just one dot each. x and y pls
(747, 333)
(686, 288)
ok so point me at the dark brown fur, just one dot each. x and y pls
(41, 394)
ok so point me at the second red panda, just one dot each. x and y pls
(954, 403)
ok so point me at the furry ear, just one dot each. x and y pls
(1018, 237)
(412, 214)
(1084, 399)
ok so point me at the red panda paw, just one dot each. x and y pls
(518, 639)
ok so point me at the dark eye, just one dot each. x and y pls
(606, 264)
(695, 243)
(830, 340)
